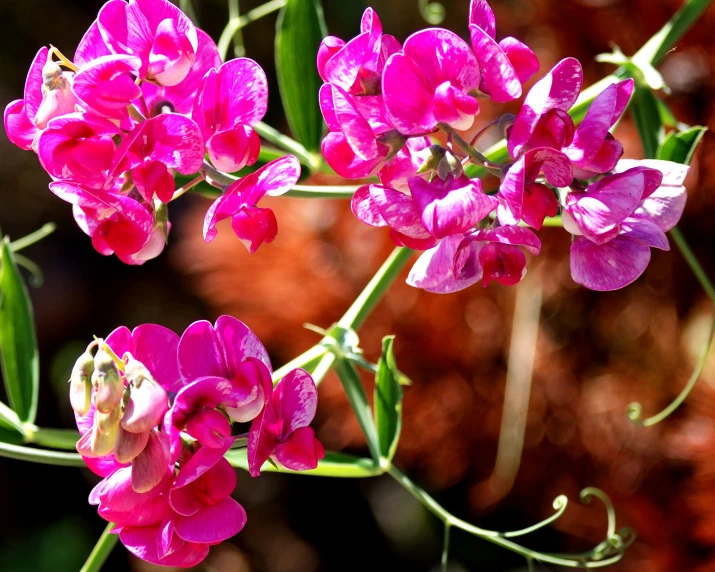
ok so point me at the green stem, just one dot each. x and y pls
(53, 438)
(310, 160)
(235, 24)
(445, 547)
(692, 261)
(335, 465)
(322, 192)
(474, 155)
(101, 550)
(233, 15)
(42, 456)
(42, 232)
(307, 360)
(375, 289)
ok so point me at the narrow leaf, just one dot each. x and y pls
(388, 401)
(10, 426)
(299, 31)
(680, 147)
(333, 465)
(646, 114)
(18, 345)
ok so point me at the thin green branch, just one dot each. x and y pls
(693, 262)
(42, 232)
(40, 456)
(445, 547)
(322, 192)
(235, 24)
(234, 14)
(101, 550)
(307, 361)
(272, 135)
(65, 439)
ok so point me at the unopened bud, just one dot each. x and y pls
(105, 431)
(81, 384)
(431, 158)
(370, 82)
(107, 381)
(505, 122)
(449, 165)
(394, 140)
(148, 401)
(57, 96)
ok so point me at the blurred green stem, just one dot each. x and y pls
(33, 237)
(310, 160)
(233, 15)
(101, 550)
(43, 456)
(693, 262)
(235, 24)
(54, 438)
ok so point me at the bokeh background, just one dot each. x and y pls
(595, 353)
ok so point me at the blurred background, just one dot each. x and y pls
(463, 424)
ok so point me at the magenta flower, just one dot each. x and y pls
(79, 147)
(117, 224)
(430, 82)
(356, 67)
(169, 141)
(106, 85)
(91, 47)
(253, 225)
(156, 32)
(180, 97)
(434, 269)
(506, 65)
(282, 430)
(230, 100)
(404, 165)
(223, 366)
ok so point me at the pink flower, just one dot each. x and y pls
(505, 66)
(434, 269)
(106, 85)
(180, 97)
(80, 147)
(230, 100)
(282, 430)
(356, 67)
(156, 32)
(117, 224)
(430, 82)
(253, 225)
(169, 141)
(221, 366)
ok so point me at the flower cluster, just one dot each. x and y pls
(145, 97)
(382, 101)
(155, 414)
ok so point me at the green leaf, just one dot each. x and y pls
(10, 426)
(18, 345)
(646, 114)
(299, 31)
(333, 465)
(680, 147)
(388, 401)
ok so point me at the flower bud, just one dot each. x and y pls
(108, 383)
(505, 122)
(431, 158)
(449, 165)
(148, 401)
(394, 140)
(57, 97)
(81, 384)
(105, 431)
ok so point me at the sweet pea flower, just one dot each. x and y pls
(505, 65)
(434, 269)
(180, 97)
(230, 100)
(282, 430)
(405, 164)
(79, 147)
(430, 82)
(106, 85)
(156, 32)
(356, 67)
(616, 223)
(253, 225)
(223, 365)
(169, 141)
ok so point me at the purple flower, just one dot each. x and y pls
(253, 225)
(505, 65)
(156, 32)
(230, 100)
(430, 82)
(282, 430)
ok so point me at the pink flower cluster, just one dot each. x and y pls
(381, 101)
(155, 414)
(146, 97)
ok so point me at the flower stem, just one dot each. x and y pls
(375, 289)
(322, 192)
(474, 155)
(54, 438)
(234, 14)
(307, 360)
(42, 456)
(235, 24)
(445, 548)
(101, 550)
(693, 262)
(310, 160)
(187, 187)
(33, 237)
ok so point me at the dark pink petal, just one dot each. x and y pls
(254, 226)
(555, 130)
(142, 542)
(365, 208)
(204, 460)
(156, 347)
(106, 85)
(200, 353)
(232, 150)
(450, 206)
(33, 84)
(301, 452)
(558, 90)
(345, 162)
(239, 343)
(254, 379)
(120, 340)
(328, 48)
(511, 235)
(148, 513)
(673, 173)
(355, 127)
(466, 259)
(502, 262)
(209, 427)
(609, 266)
(149, 468)
(115, 492)
(434, 270)
(19, 129)
(414, 243)
(263, 437)
(665, 206)
(482, 16)
(327, 107)
(646, 230)
(343, 67)
(90, 47)
(399, 211)
(522, 58)
(172, 54)
(152, 178)
(185, 500)
(499, 78)
(539, 202)
(213, 523)
(403, 166)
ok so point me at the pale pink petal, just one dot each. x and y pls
(434, 270)
(665, 206)
(646, 230)
(129, 445)
(365, 208)
(399, 211)
(149, 468)
(609, 266)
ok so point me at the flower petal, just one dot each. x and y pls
(609, 266)
(213, 523)
(434, 270)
